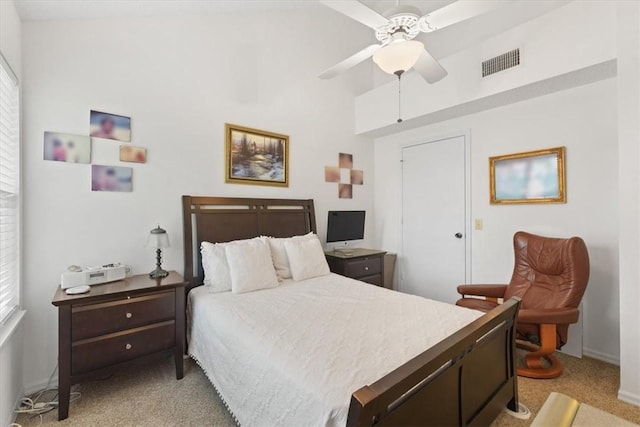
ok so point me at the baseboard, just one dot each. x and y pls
(625, 396)
(605, 357)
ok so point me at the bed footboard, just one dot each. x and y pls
(464, 380)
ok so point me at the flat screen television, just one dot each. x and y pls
(345, 225)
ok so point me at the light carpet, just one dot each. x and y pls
(151, 396)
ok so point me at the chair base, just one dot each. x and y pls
(533, 359)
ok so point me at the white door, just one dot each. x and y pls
(434, 252)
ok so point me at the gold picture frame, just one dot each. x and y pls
(256, 157)
(530, 177)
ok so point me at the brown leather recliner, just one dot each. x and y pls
(551, 276)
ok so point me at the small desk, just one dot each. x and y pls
(366, 265)
(115, 324)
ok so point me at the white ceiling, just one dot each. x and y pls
(441, 43)
(101, 9)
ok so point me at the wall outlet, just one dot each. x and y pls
(477, 224)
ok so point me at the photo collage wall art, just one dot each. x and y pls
(64, 147)
(344, 175)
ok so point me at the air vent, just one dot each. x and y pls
(501, 62)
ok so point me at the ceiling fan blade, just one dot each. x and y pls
(458, 11)
(351, 61)
(356, 10)
(429, 68)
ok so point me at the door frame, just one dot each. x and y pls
(466, 134)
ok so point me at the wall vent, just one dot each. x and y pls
(501, 62)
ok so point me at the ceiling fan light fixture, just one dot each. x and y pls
(398, 56)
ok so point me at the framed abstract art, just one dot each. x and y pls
(530, 177)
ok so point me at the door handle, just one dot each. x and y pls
(458, 235)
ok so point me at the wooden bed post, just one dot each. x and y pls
(187, 233)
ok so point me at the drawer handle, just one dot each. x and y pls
(128, 315)
(128, 346)
(366, 268)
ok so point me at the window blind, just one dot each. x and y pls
(9, 191)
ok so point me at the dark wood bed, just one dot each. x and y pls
(464, 380)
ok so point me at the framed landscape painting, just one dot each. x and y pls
(256, 157)
(531, 177)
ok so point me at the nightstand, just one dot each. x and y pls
(366, 265)
(115, 324)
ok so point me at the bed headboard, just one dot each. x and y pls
(222, 219)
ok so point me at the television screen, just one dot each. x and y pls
(345, 225)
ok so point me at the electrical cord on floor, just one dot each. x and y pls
(44, 400)
(32, 405)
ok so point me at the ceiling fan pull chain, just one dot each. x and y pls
(399, 74)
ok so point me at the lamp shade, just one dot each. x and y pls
(158, 238)
(398, 56)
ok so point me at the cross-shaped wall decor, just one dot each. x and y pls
(344, 175)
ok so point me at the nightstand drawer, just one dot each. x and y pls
(374, 280)
(106, 350)
(98, 319)
(363, 267)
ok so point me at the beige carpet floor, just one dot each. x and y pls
(150, 396)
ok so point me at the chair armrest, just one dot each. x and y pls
(491, 291)
(560, 316)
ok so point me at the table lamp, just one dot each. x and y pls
(159, 239)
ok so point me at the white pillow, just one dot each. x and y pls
(215, 266)
(306, 258)
(216, 269)
(250, 266)
(279, 254)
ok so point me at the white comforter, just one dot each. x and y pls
(293, 355)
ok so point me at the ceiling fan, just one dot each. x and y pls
(397, 51)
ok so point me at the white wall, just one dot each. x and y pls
(10, 37)
(582, 119)
(629, 160)
(180, 79)
(11, 333)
